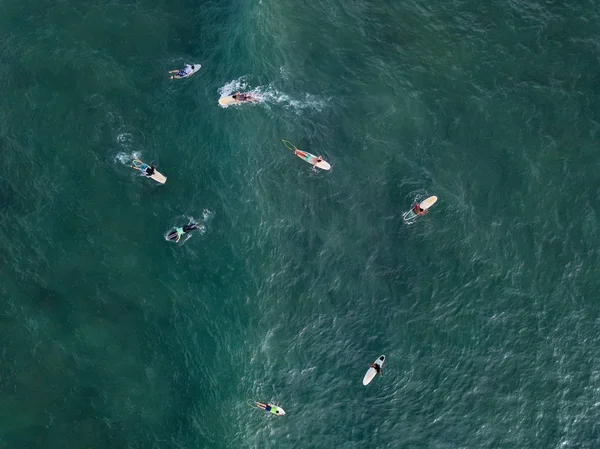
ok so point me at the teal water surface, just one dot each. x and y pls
(487, 308)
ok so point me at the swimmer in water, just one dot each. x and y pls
(175, 234)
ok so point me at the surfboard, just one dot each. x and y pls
(280, 411)
(310, 158)
(194, 70)
(141, 166)
(371, 373)
(410, 215)
(226, 101)
(305, 155)
(427, 203)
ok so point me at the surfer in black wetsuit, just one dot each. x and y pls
(176, 233)
(376, 368)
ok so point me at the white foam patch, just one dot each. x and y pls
(125, 140)
(269, 94)
(127, 158)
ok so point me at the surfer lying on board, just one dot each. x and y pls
(240, 98)
(175, 234)
(270, 408)
(417, 210)
(182, 72)
(376, 368)
(146, 169)
(309, 158)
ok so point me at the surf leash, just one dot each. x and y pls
(289, 145)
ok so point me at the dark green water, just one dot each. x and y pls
(487, 309)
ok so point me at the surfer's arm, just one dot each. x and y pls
(173, 71)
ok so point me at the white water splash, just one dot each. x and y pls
(269, 94)
(126, 158)
(125, 140)
(232, 87)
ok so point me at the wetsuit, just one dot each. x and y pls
(189, 227)
(178, 232)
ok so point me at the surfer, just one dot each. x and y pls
(175, 234)
(417, 209)
(376, 368)
(147, 170)
(270, 408)
(182, 72)
(240, 98)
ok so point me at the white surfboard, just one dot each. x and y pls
(372, 372)
(226, 101)
(310, 158)
(280, 411)
(194, 70)
(427, 203)
(158, 177)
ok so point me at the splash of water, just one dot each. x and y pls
(270, 94)
(126, 158)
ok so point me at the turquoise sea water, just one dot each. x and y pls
(487, 308)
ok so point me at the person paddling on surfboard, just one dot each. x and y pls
(147, 170)
(182, 72)
(309, 158)
(175, 234)
(240, 98)
(270, 408)
(417, 209)
(377, 368)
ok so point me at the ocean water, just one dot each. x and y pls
(487, 308)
